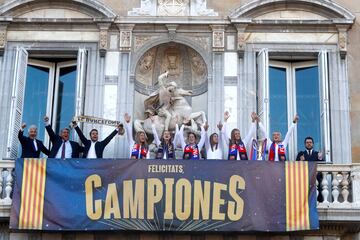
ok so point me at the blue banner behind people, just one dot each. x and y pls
(163, 195)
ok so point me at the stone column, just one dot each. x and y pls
(125, 83)
(216, 84)
(355, 184)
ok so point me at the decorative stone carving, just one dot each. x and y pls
(241, 38)
(146, 8)
(139, 41)
(125, 36)
(145, 67)
(125, 40)
(173, 8)
(342, 39)
(198, 67)
(199, 8)
(3, 28)
(185, 65)
(218, 39)
(167, 107)
(172, 62)
(103, 38)
(172, 30)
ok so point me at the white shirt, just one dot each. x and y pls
(68, 150)
(92, 153)
(131, 141)
(284, 143)
(248, 138)
(216, 153)
(35, 145)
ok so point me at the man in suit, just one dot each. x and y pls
(93, 147)
(309, 154)
(30, 146)
(62, 147)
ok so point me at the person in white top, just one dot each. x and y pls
(214, 144)
(166, 146)
(237, 145)
(192, 149)
(139, 148)
(276, 147)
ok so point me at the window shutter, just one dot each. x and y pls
(80, 80)
(263, 88)
(17, 100)
(324, 104)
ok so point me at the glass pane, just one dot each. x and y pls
(36, 95)
(308, 105)
(231, 105)
(66, 97)
(278, 100)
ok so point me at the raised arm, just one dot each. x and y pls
(263, 130)
(156, 136)
(80, 133)
(107, 140)
(50, 131)
(21, 133)
(221, 137)
(202, 138)
(225, 128)
(290, 130)
(252, 129)
(181, 137)
(207, 140)
(128, 128)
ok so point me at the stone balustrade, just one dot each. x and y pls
(6, 186)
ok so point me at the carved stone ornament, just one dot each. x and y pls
(125, 40)
(145, 9)
(199, 8)
(2, 39)
(139, 41)
(173, 8)
(218, 39)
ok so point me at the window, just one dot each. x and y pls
(286, 88)
(53, 87)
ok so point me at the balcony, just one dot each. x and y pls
(338, 187)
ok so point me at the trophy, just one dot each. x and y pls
(258, 149)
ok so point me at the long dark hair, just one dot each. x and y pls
(162, 140)
(137, 136)
(212, 144)
(232, 137)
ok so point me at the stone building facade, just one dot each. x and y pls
(109, 53)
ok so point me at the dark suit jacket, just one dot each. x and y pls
(57, 141)
(99, 146)
(312, 157)
(28, 148)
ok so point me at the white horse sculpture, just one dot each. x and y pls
(179, 109)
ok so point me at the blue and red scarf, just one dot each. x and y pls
(135, 152)
(165, 148)
(281, 152)
(235, 149)
(191, 152)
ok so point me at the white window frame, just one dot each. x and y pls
(291, 96)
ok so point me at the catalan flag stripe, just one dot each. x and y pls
(297, 195)
(32, 194)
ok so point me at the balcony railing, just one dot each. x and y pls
(337, 185)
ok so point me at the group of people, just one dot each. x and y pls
(215, 144)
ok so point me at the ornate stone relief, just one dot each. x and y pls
(198, 67)
(3, 28)
(145, 67)
(125, 40)
(139, 41)
(103, 38)
(342, 40)
(173, 8)
(185, 66)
